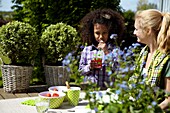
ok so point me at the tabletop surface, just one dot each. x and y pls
(15, 106)
(31, 92)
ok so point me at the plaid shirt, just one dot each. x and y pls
(97, 76)
(157, 65)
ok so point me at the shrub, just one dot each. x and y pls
(19, 42)
(57, 41)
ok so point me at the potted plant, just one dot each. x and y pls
(19, 41)
(57, 41)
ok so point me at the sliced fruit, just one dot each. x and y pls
(55, 89)
(55, 95)
(48, 95)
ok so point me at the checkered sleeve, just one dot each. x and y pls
(84, 66)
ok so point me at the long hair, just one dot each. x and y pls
(159, 23)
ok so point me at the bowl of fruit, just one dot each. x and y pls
(55, 98)
(55, 89)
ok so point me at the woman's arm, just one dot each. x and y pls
(166, 102)
(84, 65)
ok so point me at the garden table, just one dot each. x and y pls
(15, 106)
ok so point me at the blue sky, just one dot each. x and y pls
(126, 4)
(129, 4)
(6, 5)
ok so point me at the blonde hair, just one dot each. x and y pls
(160, 25)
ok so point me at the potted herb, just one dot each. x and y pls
(57, 41)
(19, 42)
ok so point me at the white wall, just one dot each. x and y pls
(163, 5)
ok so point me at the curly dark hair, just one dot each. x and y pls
(112, 19)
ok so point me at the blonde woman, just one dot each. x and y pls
(152, 28)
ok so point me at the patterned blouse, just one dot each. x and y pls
(97, 76)
(159, 67)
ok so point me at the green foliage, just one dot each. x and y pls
(6, 15)
(57, 41)
(129, 23)
(42, 13)
(113, 4)
(143, 5)
(128, 93)
(3, 57)
(19, 42)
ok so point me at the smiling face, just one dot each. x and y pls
(101, 32)
(140, 33)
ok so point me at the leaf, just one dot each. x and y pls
(6, 60)
(131, 109)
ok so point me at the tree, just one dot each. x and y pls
(42, 13)
(143, 4)
(129, 23)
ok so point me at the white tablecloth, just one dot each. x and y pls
(15, 106)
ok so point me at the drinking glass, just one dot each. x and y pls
(42, 105)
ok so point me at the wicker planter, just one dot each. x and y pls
(56, 75)
(16, 78)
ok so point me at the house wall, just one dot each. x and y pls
(163, 5)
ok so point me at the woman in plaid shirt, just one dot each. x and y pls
(100, 30)
(153, 29)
